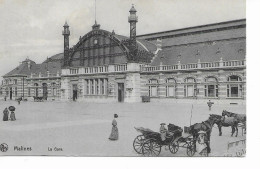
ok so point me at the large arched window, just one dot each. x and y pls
(211, 87)
(170, 87)
(190, 87)
(153, 88)
(234, 86)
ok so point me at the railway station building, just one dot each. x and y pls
(194, 63)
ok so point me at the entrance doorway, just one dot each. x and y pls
(74, 92)
(120, 92)
(11, 93)
(44, 91)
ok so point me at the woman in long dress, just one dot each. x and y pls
(114, 132)
(6, 114)
(12, 116)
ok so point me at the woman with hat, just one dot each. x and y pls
(114, 132)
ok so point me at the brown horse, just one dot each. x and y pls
(223, 121)
(240, 117)
(204, 126)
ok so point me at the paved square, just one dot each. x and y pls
(82, 129)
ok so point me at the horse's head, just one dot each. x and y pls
(224, 113)
(214, 118)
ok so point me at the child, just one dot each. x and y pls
(12, 116)
(163, 131)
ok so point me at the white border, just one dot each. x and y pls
(253, 136)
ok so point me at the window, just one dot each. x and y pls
(96, 86)
(92, 86)
(234, 86)
(87, 89)
(15, 91)
(36, 89)
(211, 87)
(190, 87)
(102, 86)
(170, 87)
(54, 89)
(153, 88)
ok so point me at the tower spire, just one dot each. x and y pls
(133, 19)
(96, 25)
(66, 34)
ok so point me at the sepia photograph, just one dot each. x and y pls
(132, 78)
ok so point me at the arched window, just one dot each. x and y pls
(153, 88)
(234, 86)
(170, 87)
(190, 87)
(211, 87)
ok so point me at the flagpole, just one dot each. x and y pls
(191, 114)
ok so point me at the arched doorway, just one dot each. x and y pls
(11, 93)
(74, 92)
(121, 92)
(45, 91)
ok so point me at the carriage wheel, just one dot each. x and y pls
(151, 148)
(205, 152)
(174, 147)
(138, 144)
(190, 149)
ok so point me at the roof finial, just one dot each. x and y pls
(95, 11)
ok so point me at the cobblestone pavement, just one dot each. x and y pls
(82, 129)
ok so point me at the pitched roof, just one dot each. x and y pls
(205, 52)
(195, 30)
(52, 64)
(142, 43)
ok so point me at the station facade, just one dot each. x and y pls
(202, 62)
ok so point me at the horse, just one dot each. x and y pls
(240, 117)
(204, 126)
(222, 121)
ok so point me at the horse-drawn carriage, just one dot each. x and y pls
(149, 143)
(37, 99)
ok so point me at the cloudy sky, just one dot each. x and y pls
(32, 28)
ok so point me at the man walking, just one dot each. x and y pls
(210, 104)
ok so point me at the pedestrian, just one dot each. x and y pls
(5, 98)
(163, 131)
(210, 104)
(201, 143)
(114, 132)
(19, 100)
(6, 114)
(12, 116)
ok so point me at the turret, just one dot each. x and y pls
(66, 34)
(133, 19)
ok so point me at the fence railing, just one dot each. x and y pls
(148, 68)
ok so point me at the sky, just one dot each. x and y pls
(33, 28)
